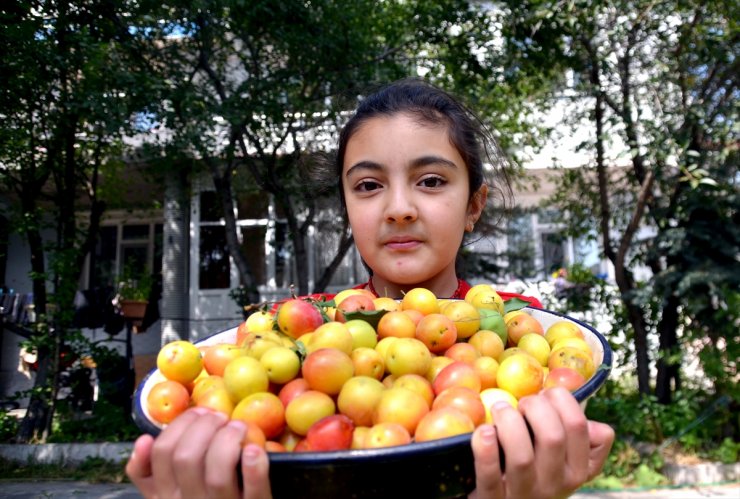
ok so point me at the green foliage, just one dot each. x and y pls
(8, 426)
(71, 85)
(627, 467)
(274, 81)
(646, 476)
(695, 421)
(665, 76)
(106, 423)
(727, 452)
(134, 286)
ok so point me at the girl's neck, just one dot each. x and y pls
(442, 288)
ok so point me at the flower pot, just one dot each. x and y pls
(133, 310)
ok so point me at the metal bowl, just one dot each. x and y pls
(438, 468)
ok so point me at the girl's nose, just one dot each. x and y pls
(400, 206)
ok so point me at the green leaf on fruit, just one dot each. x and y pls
(324, 315)
(301, 350)
(372, 317)
(514, 304)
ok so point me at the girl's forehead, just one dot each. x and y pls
(407, 119)
(400, 130)
(400, 140)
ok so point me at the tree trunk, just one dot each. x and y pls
(637, 320)
(622, 276)
(345, 243)
(34, 422)
(297, 233)
(668, 368)
(222, 182)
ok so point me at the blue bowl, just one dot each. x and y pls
(439, 468)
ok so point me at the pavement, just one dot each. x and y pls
(77, 490)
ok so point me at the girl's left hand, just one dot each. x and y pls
(568, 449)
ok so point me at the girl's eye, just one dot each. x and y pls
(432, 182)
(367, 186)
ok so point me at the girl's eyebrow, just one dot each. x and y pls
(432, 160)
(416, 163)
(363, 165)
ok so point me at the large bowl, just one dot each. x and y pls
(439, 468)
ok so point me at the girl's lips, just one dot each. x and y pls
(402, 244)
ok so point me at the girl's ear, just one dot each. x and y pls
(475, 207)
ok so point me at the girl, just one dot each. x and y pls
(411, 179)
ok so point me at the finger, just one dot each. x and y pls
(164, 449)
(139, 466)
(222, 460)
(190, 454)
(577, 442)
(488, 476)
(255, 470)
(601, 438)
(513, 436)
(549, 442)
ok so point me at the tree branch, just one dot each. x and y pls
(634, 224)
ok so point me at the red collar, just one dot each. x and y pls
(462, 288)
(459, 294)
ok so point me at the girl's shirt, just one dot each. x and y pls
(459, 294)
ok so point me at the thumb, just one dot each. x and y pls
(601, 438)
(139, 466)
(255, 471)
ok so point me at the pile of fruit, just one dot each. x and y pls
(361, 372)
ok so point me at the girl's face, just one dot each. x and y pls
(407, 195)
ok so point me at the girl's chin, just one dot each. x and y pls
(408, 278)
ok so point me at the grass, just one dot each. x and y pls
(92, 470)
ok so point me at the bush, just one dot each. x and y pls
(8, 426)
(692, 424)
(107, 423)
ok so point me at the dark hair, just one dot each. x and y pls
(432, 105)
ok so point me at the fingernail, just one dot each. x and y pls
(250, 454)
(501, 404)
(487, 435)
(200, 410)
(238, 425)
(220, 415)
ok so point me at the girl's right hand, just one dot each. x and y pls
(197, 456)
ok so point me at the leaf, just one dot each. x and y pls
(300, 349)
(372, 317)
(514, 304)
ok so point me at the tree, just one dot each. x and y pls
(661, 78)
(254, 91)
(66, 101)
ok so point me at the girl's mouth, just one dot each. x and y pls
(402, 243)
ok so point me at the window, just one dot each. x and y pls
(214, 258)
(137, 247)
(253, 248)
(282, 252)
(553, 254)
(265, 243)
(520, 252)
(214, 271)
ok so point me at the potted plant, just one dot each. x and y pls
(133, 295)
